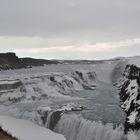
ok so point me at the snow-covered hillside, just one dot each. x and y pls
(130, 96)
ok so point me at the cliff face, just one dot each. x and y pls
(10, 61)
(130, 96)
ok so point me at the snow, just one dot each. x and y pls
(70, 107)
(2, 82)
(132, 117)
(26, 130)
(44, 108)
(132, 94)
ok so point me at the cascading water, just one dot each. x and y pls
(76, 128)
(53, 119)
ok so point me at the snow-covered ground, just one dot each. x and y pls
(25, 130)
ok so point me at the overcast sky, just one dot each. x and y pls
(70, 29)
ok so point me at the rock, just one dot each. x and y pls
(10, 61)
(130, 97)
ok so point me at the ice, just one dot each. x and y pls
(2, 82)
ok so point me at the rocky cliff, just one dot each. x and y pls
(130, 96)
(10, 61)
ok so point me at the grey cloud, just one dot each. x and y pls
(92, 20)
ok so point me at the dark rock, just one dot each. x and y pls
(80, 75)
(13, 85)
(10, 61)
(55, 117)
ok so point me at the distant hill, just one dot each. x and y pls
(38, 62)
(11, 61)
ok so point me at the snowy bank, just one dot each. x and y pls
(26, 130)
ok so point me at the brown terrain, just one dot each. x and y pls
(4, 136)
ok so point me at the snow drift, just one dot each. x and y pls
(25, 130)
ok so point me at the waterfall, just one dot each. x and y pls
(48, 122)
(76, 128)
(52, 119)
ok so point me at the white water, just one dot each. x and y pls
(47, 125)
(76, 128)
